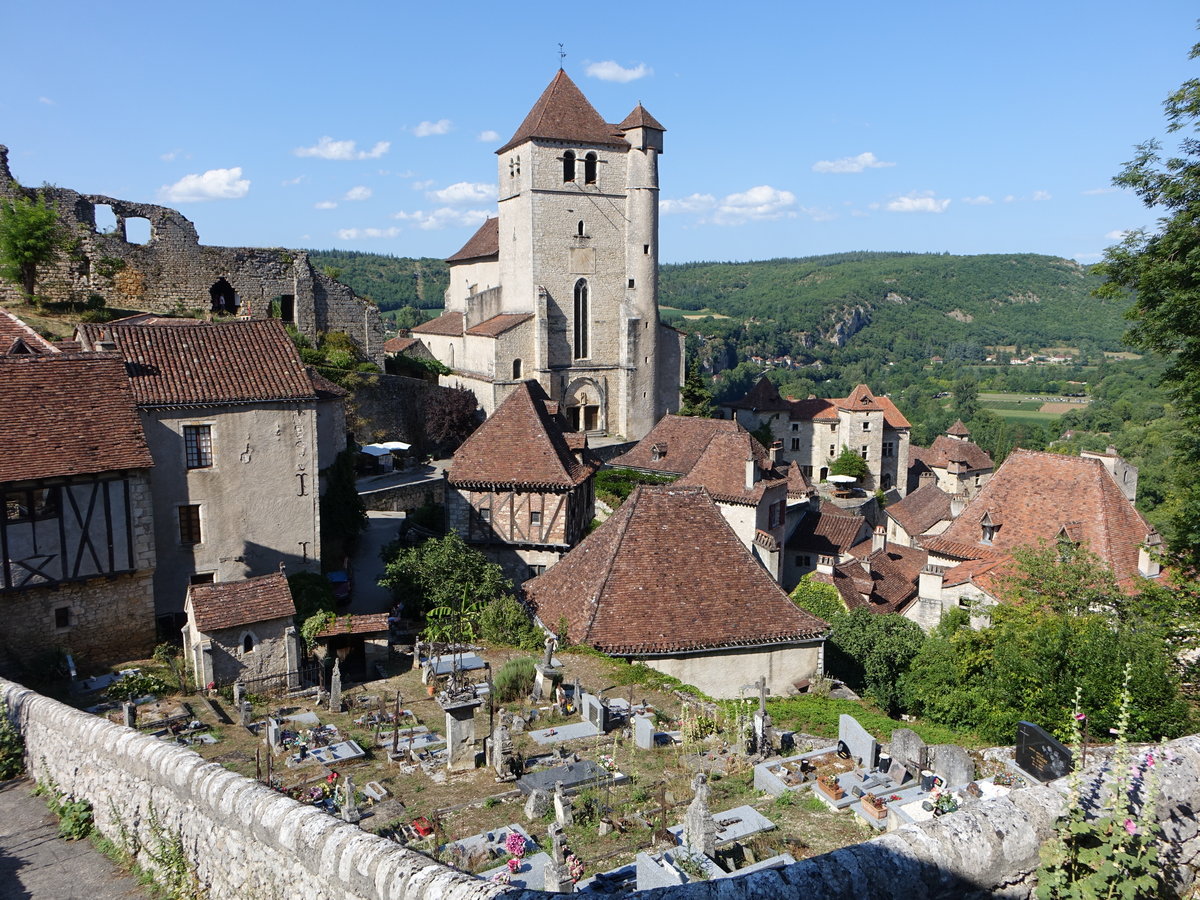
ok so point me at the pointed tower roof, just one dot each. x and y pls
(562, 113)
(958, 429)
(640, 118)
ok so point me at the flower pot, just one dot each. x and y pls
(875, 812)
(833, 793)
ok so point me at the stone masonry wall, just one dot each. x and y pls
(245, 840)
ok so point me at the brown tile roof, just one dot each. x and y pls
(798, 484)
(666, 574)
(944, 546)
(497, 325)
(640, 118)
(399, 344)
(765, 397)
(520, 445)
(973, 569)
(946, 450)
(562, 113)
(827, 533)
(861, 399)
(483, 243)
(205, 363)
(921, 509)
(681, 439)
(17, 338)
(233, 603)
(721, 469)
(324, 388)
(888, 586)
(1034, 495)
(958, 429)
(449, 324)
(369, 623)
(67, 414)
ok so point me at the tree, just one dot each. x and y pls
(878, 649)
(966, 398)
(31, 236)
(849, 463)
(697, 399)
(450, 416)
(822, 600)
(343, 513)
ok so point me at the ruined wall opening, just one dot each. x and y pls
(287, 309)
(138, 230)
(106, 219)
(223, 296)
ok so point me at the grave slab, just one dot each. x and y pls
(307, 719)
(341, 752)
(529, 875)
(575, 776)
(735, 824)
(466, 662)
(572, 732)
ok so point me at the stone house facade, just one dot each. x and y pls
(241, 630)
(960, 466)
(563, 286)
(234, 422)
(520, 487)
(77, 548)
(813, 432)
(172, 272)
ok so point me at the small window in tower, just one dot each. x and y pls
(645, 249)
(864, 451)
(579, 228)
(518, 164)
(516, 369)
(589, 168)
(62, 617)
(568, 166)
(631, 282)
(535, 517)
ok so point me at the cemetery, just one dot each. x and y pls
(585, 782)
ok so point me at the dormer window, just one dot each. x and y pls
(989, 533)
(568, 162)
(589, 169)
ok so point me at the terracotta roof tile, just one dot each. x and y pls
(721, 469)
(1034, 495)
(17, 338)
(944, 546)
(640, 118)
(562, 113)
(946, 450)
(921, 509)
(67, 414)
(681, 441)
(369, 623)
(482, 244)
(798, 484)
(827, 533)
(958, 429)
(765, 397)
(233, 603)
(889, 586)
(860, 399)
(323, 387)
(204, 363)
(497, 325)
(399, 344)
(666, 574)
(520, 444)
(974, 568)
(449, 324)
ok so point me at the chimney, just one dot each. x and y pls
(865, 562)
(751, 467)
(776, 446)
(1148, 563)
(825, 565)
(926, 478)
(879, 539)
(957, 504)
(929, 583)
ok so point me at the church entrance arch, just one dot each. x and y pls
(584, 404)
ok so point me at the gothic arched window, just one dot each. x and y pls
(569, 166)
(589, 168)
(581, 319)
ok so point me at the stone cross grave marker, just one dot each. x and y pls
(563, 812)
(350, 811)
(1041, 755)
(129, 711)
(556, 878)
(699, 826)
(548, 658)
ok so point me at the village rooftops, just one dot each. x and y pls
(522, 444)
(828, 532)
(675, 444)
(497, 325)
(207, 364)
(947, 451)
(765, 397)
(67, 414)
(17, 338)
(921, 509)
(399, 344)
(233, 603)
(448, 324)
(562, 113)
(483, 244)
(665, 574)
(721, 469)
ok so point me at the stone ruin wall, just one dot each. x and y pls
(245, 840)
(172, 272)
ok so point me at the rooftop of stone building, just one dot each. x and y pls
(675, 444)
(233, 603)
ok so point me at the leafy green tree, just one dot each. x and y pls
(849, 463)
(966, 398)
(818, 598)
(697, 399)
(31, 236)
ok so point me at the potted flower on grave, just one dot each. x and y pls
(875, 807)
(828, 785)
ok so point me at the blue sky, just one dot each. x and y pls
(792, 129)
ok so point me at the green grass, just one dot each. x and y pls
(1026, 415)
(819, 716)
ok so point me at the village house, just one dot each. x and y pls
(813, 432)
(822, 539)
(666, 581)
(878, 576)
(239, 431)
(77, 560)
(521, 485)
(406, 346)
(960, 465)
(562, 287)
(925, 512)
(18, 339)
(674, 444)
(241, 630)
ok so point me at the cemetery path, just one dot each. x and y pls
(368, 596)
(36, 864)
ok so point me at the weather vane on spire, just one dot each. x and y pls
(561, 55)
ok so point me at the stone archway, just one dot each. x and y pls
(584, 405)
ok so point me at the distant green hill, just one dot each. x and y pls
(391, 281)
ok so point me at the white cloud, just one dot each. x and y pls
(354, 234)
(981, 200)
(328, 148)
(1116, 235)
(1009, 198)
(917, 201)
(291, 182)
(47, 101)
(465, 192)
(215, 184)
(850, 164)
(359, 192)
(422, 185)
(1104, 190)
(169, 156)
(425, 129)
(608, 70)
(489, 135)
(444, 217)
(325, 204)
(693, 203)
(1040, 195)
(758, 204)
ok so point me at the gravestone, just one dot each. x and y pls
(556, 879)
(898, 773)
(594, 711)
(952, 764)
(246, 711)
(274, 734)
(349, 809)
(518, 725)
(699, 826)
(239, 693)
(335, 688)
(909, 750)
(858, 741)
(537, 805)
(460, 735)
(129, 712)
(643, 732)
(1041, 755)
(503, 760)
(563, 813)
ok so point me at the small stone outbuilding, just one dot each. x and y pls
(241, 630)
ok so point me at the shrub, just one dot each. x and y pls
(514, 679)
(12, 747)
(137, 686)
(506, 621)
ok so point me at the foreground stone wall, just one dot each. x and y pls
(245, 840)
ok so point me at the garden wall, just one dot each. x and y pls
(245, 840)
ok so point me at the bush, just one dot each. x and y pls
(506, 621)
(515, 679)
(137, 686)
(312, 594)
(614, 485)
(12, 748)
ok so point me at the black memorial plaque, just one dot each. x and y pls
(1041, 755)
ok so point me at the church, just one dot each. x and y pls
(562, 287)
